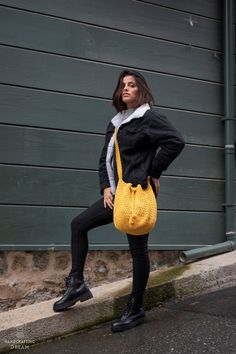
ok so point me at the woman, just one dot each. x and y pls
(148, 144)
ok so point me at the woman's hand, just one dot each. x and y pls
(156, 184)
(108, 198)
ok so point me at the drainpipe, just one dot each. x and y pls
(230, 243)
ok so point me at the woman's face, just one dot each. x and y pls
(130, 91)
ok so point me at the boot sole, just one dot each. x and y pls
(131, 325)
(83, 297)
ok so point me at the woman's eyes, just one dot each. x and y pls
(130, 85)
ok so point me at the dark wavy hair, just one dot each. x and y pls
(144, 93)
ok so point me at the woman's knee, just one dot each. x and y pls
(76, 224)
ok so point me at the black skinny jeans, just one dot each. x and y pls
(96, 215)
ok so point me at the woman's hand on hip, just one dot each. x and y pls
(156, 184)
(108, 198)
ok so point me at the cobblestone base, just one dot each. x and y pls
(34, 276)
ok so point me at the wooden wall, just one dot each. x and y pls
(59, 62)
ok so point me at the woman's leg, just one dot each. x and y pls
(134, 314)
(96, 215)
(138, 246)
(77, 290)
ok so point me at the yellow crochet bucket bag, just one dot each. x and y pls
(135, 208)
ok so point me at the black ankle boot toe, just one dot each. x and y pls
(128, 322)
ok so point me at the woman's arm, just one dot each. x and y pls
(163, 135)
(103, 176)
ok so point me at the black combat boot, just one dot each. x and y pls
(133, 315)
(76, 290)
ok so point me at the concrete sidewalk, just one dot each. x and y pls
(25, 326)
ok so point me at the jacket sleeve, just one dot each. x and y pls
(103, 176)
(167, 140)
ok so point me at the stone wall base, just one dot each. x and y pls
(35, 276)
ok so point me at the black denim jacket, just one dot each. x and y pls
(147, 147)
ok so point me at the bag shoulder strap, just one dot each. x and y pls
(118, 159)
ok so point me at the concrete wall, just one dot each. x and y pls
(29, 277)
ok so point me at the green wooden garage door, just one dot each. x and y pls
(59, 61)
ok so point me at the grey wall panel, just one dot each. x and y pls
(196, 128)
(48, 186)
(53, 35)
(32, 225)
(58, 187)
(31, 107)
(133, 16)
(198, 161)
(47, 148)
(71, 112)
(208, 8)
(191, 194)
(188, 228)
(54, 148)
(51, 72)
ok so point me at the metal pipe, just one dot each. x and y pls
(230, 243)
(229, 121)
(206, 251)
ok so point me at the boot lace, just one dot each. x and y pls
(130, 305)
(68, 280)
